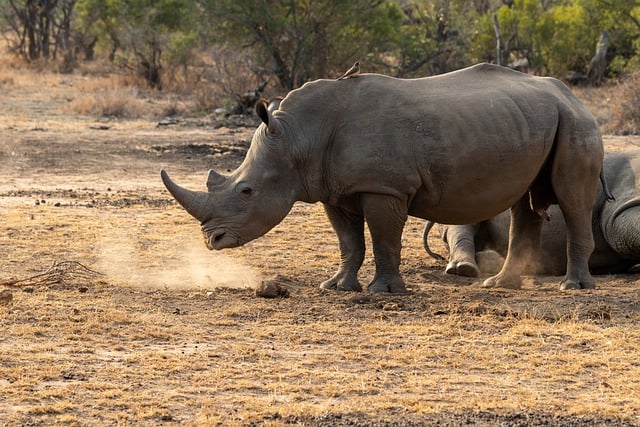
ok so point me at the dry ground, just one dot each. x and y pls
(170, 333)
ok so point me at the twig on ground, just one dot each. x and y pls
(59, 273)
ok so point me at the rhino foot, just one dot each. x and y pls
(388, 285)
(503, 281)
(462, 268)
(342, 282)
(568, 284)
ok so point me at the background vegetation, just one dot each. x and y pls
(237, 46)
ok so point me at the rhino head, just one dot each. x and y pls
(251, 200)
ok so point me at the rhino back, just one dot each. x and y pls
(422, 139)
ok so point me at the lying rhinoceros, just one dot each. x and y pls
(616, 230)
(458, 148)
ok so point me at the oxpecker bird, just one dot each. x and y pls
(351, 72)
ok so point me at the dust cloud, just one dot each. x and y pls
(186, 264)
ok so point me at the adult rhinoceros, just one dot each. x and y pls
(456, 148)
(616, 230)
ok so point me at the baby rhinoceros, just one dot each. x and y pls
(457, 148)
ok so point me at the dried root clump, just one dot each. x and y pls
(60, 273)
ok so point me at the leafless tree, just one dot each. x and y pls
(40, 27)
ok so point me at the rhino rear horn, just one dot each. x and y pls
(194, 202)
(214, 179)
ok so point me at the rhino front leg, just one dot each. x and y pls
(386, 216)
(350, 230)
(524, 241)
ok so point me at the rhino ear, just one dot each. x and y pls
(265, 114)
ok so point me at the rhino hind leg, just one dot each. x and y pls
(386, 216)
(350, 230)
(524, 240)
(575, 183)
(579, 247)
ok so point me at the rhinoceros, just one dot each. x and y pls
(455, 148)
(616, 230)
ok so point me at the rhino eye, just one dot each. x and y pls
(246, 190)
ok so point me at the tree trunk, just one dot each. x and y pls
(501, 52)
(496, 28)
(598, 64)
(32, 50)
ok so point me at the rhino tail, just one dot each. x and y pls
(425, 241)
(605, 188)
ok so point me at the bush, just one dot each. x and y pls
(110, 99)
(626, 107)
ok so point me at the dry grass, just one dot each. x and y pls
(109, 99)
(626, 106)
(173, 334)
(136, 349)
(616, 106)
(123, 354)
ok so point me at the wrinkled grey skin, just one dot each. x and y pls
(456, 148)
(616, 230)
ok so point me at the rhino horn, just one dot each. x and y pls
(214, 179)
(194, 202)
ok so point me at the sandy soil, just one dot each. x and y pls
(169, 333)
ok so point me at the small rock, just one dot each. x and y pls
(271, 289)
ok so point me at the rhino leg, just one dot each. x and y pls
(462, 261)
(350, 230)
(386, 216)
(580, 245)
(575, 189)
(524, 240)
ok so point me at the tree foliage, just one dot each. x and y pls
(298, 40)
(303, 39)
(140, 33)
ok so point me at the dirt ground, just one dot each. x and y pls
(164, 332)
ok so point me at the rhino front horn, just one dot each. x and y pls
(194, 202)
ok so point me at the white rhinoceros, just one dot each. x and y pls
(616, 230)
(455, 148)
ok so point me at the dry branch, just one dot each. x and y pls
(65, 272)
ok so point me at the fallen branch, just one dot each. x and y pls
(59, 273)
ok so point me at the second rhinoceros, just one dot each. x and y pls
(616, 229)
(456, 148)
